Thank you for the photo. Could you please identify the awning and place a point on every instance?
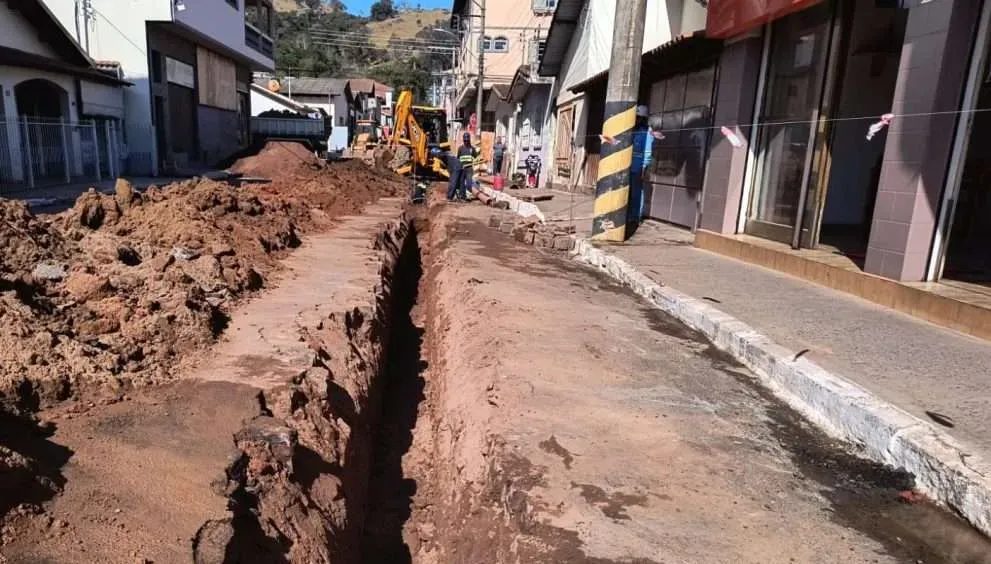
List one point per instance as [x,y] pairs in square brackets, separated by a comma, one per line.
[17,58]
[727,18]
[678,55]
[559,36]
[466,95]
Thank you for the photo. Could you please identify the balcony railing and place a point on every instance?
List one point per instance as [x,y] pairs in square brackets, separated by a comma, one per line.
[258,41]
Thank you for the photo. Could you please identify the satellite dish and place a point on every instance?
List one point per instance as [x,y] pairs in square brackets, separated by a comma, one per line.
[273,85]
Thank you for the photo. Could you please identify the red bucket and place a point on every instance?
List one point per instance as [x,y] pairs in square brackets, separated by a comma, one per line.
[497,182]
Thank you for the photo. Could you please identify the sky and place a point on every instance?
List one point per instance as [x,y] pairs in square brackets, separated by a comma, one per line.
[361,7]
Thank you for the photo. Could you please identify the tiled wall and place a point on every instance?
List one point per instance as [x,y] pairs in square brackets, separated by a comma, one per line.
[739,68]
[936,51]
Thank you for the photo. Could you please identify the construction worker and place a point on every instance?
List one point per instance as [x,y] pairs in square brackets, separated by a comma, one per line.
[458,188]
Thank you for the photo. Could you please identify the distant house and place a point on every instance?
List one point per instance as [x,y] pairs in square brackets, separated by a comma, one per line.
[328,95]
[59,113]
[371,100]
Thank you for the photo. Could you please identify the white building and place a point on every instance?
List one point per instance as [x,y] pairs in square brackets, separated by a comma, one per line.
[190,63]
[59,113]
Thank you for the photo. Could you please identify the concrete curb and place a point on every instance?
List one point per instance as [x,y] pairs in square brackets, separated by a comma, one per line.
[944,469]
[525,209]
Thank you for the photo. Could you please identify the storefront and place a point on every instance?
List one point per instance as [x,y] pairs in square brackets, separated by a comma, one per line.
[816,75]
[799,89]
[829,72]
[678,80]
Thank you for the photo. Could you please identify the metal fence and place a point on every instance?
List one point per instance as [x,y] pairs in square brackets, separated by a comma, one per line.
[36,152]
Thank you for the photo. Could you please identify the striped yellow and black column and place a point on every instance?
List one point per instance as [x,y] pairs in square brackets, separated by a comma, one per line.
[612,188]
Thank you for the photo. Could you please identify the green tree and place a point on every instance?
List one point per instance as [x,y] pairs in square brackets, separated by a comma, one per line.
[382,10]
[404,74]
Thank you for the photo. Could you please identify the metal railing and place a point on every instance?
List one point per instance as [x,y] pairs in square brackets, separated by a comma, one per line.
[38,152]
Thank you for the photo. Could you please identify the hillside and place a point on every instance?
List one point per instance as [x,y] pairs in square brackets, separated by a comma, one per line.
[318,38]
[303,5]
[406,25]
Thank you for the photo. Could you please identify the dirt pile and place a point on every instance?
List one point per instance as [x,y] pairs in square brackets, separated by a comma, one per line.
[115,291]
[299,175]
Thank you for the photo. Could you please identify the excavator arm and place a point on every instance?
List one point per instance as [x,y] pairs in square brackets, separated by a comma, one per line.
[410,133]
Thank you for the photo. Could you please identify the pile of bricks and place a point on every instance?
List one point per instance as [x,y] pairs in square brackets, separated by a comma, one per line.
[532,231]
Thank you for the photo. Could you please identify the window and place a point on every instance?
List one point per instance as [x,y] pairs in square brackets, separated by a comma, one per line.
[499,44]
[156,66]
[537,51]
[680,112]
[259,14]
[544,6]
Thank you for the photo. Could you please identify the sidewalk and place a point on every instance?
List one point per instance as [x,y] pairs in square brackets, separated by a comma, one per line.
[912,364]
[915,365]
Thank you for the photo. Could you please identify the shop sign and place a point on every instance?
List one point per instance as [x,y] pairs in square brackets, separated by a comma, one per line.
[727,18]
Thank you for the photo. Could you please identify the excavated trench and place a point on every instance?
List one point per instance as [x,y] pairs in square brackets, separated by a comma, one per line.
[319,474]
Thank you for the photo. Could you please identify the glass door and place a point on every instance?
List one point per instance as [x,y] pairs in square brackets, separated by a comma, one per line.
[788,121]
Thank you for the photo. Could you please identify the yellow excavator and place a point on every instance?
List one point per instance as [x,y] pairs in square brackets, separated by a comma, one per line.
[423,130]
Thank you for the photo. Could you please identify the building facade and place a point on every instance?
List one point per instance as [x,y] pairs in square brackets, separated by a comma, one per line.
[855,128]
[577,56]
[190,63]
[60,113]
[804,88]
[513,36]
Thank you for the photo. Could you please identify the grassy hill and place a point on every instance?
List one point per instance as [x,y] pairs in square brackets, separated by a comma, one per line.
[319,38]
[293,6]
[406,25]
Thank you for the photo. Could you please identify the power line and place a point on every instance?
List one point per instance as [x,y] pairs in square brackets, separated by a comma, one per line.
[396,48]
[375,46]
[360,35]
[370,46]
[383,46]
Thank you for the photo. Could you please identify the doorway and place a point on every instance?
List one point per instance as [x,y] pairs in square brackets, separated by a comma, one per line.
[968,252]
[832,71]
[161,131]
[851,165]
[796,72]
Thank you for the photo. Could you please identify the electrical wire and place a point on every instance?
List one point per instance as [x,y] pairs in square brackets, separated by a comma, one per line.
[398,49]
[359,35]
[420,48]
[871,119]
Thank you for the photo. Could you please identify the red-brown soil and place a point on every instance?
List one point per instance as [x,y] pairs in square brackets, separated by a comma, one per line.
[114,293]
[129,284]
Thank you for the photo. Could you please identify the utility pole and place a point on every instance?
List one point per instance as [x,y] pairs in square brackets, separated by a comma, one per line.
[612,188]
[481,68]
